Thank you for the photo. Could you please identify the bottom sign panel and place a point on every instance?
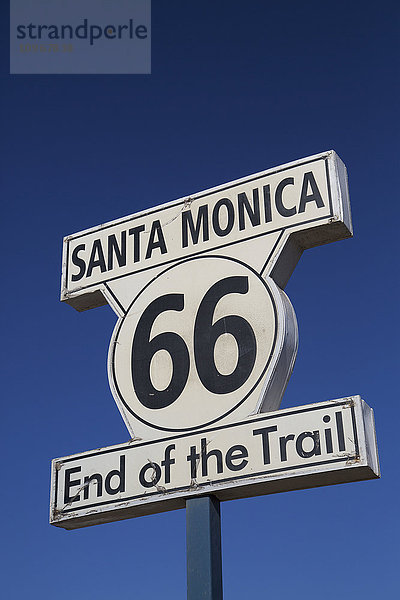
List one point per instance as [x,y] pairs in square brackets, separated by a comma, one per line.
[307,446]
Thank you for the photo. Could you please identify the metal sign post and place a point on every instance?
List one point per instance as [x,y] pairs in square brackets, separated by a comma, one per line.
[203,548]
[203,348]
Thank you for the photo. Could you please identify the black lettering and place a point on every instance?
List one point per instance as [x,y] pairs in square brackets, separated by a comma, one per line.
[109,32]
[98,479]
[53,32]
[67,28]
[315,195]
[120,473]
[136,231]
[31,29]
[156,239]
[96,258]
[141,32]
[264,432]
[167,462]
[282,444]
[79,262]
[120,30]
[40,27]
[206,455]
[69,483]
[193,458]
[328,435]
[143,351]
[155,477]
[21,32]
[267,203]
[216,214]
[237,452]
[118,250]
[201,222]
[207,331]
[340,431]
[252,212]
[328,440]
[282,210]
[315,450]
[81,31]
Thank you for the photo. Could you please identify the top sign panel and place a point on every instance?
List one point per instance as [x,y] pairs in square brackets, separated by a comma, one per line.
[305,201]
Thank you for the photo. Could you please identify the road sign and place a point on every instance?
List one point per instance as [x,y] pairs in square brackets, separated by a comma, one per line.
[296,448]
[187,355]
[201,354]
[205,334]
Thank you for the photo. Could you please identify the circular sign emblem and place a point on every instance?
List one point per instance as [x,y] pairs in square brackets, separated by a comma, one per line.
[194,343]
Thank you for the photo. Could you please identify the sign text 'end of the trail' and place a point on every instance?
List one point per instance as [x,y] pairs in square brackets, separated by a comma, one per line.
[302,447]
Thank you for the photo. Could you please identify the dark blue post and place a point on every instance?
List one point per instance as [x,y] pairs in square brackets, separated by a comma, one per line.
[203,549]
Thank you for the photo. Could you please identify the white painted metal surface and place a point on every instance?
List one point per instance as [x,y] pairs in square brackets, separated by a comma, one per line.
[282,211]
[205,341]
[296,448]
[190,353]
[205,334]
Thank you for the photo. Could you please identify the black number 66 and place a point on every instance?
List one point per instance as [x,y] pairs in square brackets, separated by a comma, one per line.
[206,335]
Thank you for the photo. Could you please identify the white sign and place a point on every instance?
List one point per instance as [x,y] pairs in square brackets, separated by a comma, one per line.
[205,333]
[296,448]
[187,354]
[308,196]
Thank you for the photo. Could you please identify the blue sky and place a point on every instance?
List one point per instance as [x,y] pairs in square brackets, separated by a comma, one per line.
[235,88]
